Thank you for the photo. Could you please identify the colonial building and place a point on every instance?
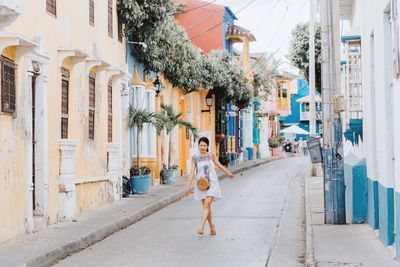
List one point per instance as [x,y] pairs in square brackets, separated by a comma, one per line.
[371,88]
[61,82]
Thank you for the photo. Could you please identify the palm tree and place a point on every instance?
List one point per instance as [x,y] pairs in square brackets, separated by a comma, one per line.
[167,120]
[137,118]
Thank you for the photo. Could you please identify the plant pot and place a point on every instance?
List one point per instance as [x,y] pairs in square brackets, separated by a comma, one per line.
[140,184]
[275,151]
[168,176]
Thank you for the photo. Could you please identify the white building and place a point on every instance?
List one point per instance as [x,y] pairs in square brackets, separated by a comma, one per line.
[376,24]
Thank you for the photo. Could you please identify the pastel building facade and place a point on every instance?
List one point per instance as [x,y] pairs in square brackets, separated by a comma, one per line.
[63,82]
[370,39]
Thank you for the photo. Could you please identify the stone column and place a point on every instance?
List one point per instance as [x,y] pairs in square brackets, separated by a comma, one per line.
[67,197]
[114,170]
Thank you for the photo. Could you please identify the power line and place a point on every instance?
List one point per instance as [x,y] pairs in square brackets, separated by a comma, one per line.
[195,8]
[215,26]
[273,38]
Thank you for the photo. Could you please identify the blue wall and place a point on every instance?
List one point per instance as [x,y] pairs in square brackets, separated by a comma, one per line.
[229,18]
[355,173]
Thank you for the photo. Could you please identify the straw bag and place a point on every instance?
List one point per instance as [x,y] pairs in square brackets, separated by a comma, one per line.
[203,183]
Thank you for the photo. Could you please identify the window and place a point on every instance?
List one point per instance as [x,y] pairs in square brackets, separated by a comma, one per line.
[51,7]
[120,35]
[284,93]
[110,112]
[110,18]
[8,85]
[92,103]
[91,12]
[64,102]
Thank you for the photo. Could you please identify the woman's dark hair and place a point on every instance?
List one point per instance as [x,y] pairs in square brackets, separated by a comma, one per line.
[205,140]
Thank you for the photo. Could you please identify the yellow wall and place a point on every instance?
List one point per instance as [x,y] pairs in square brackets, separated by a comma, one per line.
[92,195]
[70,29]
[283,103]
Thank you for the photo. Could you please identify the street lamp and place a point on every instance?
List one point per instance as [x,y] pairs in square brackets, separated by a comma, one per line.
[209,99]
[139,43]
[158,85]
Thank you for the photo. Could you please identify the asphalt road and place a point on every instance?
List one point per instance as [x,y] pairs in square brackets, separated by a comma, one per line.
[259,222]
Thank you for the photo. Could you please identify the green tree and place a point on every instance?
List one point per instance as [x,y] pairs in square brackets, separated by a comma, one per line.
[137,118]
[167,120]
[299,51]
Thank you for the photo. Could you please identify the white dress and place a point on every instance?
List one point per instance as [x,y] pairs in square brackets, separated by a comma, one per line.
[203,163]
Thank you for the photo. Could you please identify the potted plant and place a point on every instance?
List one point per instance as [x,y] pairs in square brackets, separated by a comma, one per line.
[167,120]
[274,143]
[140,176]
[140,180]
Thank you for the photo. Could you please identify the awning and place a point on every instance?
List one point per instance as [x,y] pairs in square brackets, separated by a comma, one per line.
[306,99]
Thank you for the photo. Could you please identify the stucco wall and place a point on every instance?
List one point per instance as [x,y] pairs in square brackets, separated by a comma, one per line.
[69,30]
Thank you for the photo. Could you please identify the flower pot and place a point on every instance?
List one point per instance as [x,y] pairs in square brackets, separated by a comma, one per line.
[140,184]
[275,151]
[168,176]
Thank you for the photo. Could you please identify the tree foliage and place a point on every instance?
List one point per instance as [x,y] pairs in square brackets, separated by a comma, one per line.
[170,51]
[299,51]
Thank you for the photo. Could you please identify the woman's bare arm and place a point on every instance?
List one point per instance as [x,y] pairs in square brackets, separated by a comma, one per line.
[222,168]
[191,175]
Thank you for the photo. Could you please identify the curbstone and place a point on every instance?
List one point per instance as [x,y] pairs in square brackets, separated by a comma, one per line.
[310,258]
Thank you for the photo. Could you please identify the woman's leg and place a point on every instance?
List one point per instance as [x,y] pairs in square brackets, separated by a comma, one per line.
[205,215]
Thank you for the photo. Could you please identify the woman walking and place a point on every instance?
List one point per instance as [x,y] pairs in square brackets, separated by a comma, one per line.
[203,165]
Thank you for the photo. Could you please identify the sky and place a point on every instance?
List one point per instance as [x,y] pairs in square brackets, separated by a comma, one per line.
[271,22]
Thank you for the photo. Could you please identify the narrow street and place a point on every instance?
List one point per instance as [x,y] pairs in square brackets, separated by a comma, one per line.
[259,222]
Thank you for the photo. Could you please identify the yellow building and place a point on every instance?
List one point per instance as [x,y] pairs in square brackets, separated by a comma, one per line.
[61,119]
[283,92]
[194,109]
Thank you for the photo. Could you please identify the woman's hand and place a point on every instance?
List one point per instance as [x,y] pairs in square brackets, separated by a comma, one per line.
[187,191]
[231,175]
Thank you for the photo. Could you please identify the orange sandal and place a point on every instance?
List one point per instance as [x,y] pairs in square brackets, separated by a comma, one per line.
[212,230]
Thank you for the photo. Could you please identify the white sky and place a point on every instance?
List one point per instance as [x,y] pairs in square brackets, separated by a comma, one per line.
[271,22]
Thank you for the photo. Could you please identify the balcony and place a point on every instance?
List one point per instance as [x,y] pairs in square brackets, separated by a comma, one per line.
[9,11]
[346,9]
[305,115]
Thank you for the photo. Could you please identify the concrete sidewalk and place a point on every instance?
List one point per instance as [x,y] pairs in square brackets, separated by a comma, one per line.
[339,245]
[62,239]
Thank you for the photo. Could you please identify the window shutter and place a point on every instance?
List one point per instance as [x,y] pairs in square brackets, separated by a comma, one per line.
[51,7]
[120,35]
[110,18]
[91,12]
[92,103]
[8,84]
[64,103]
[110,115]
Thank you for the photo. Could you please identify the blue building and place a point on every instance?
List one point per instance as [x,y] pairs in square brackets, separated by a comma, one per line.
[300,109]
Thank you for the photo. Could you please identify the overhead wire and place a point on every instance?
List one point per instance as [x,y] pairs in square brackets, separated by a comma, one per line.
[273,38]
[195,8]
[215,26]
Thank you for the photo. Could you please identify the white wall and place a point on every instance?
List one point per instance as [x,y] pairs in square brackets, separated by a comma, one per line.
[378,92]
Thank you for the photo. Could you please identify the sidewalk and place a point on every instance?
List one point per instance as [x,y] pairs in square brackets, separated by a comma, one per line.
[339,245]
[62,239]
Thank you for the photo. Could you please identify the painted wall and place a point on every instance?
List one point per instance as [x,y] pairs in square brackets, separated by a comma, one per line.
[69,30]
[295,109]
[198,23]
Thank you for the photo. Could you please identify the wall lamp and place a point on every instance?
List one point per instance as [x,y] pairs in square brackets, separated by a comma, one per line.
[209,99]
[139,43]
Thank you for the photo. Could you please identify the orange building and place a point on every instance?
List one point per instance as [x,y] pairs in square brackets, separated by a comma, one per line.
[203,23]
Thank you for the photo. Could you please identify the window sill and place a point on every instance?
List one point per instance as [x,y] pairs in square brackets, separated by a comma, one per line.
[91,180]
